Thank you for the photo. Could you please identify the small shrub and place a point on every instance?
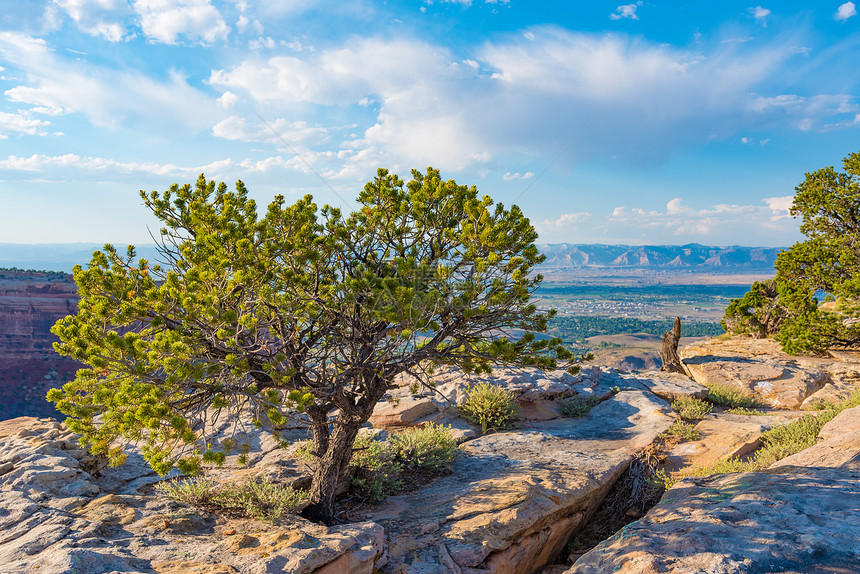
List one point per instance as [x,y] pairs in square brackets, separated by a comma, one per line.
[746,412]
[691,409]
[682,430]
[726,396]
[662,479]
[430,448]
[790,438]
[381,468]
[579,407]
[196,491]
[491,407]
[261,500]
[719,467]
[376,472]
[817,405]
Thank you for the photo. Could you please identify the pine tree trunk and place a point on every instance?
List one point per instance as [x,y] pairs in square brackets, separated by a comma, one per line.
[335,450]
[332,465]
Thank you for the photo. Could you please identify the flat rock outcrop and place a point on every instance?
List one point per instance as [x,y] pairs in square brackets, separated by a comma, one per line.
[516,497]
[789,519]
[56,519]
[799,515]
[759,368]
[510,505]
[671,386]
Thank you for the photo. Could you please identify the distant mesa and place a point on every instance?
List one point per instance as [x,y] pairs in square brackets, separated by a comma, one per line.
[691,257]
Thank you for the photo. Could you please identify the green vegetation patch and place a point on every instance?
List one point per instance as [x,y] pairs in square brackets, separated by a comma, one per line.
[778,443]
[577,328]
[491,407]
[691,409]
[261,500]
[382,468]
[730,397]
[578,407]
[813,303]
[682,430]
[744,411]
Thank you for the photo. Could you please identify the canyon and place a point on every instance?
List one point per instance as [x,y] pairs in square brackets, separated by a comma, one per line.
[30,303]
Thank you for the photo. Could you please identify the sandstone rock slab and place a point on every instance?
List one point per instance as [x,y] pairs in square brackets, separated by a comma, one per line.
[54,518]
[845,422]
[778,384]
[672,386]
[785,520]
[516,497]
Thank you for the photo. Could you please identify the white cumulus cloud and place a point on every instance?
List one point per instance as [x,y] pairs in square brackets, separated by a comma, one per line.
[780,206]
[845,11]
[508,176]
[20,124]
[626,11]
[567,219]
[102,18]
[167,21]
[760,14]
[717,220]
[54,86]
[531,97]
[237,128]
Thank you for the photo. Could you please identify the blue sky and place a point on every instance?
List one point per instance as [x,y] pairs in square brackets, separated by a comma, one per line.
[644,123]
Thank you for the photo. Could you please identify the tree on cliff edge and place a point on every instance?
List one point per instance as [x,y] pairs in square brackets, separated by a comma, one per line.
[299,310]
[827,263]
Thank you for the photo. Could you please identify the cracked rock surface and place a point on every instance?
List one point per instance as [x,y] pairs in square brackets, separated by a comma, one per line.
[56,519]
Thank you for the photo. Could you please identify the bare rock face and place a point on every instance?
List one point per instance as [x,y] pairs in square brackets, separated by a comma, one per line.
[30,303]
[515,498]
[797,516]
[412,403]
[777,379]
[672,386]
[790,519]
[55,518]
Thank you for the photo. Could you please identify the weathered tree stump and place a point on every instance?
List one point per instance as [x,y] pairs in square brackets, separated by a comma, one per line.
[669,350]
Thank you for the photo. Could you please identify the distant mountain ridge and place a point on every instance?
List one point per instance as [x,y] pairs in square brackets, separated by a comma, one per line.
[691,257]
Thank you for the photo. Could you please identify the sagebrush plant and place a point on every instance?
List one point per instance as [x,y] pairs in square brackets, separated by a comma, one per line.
[682,430]
[261,500]
[196,491]
[578,406]
[380,468]
[691,409]
[730,397]
[491,407]
[746,412]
